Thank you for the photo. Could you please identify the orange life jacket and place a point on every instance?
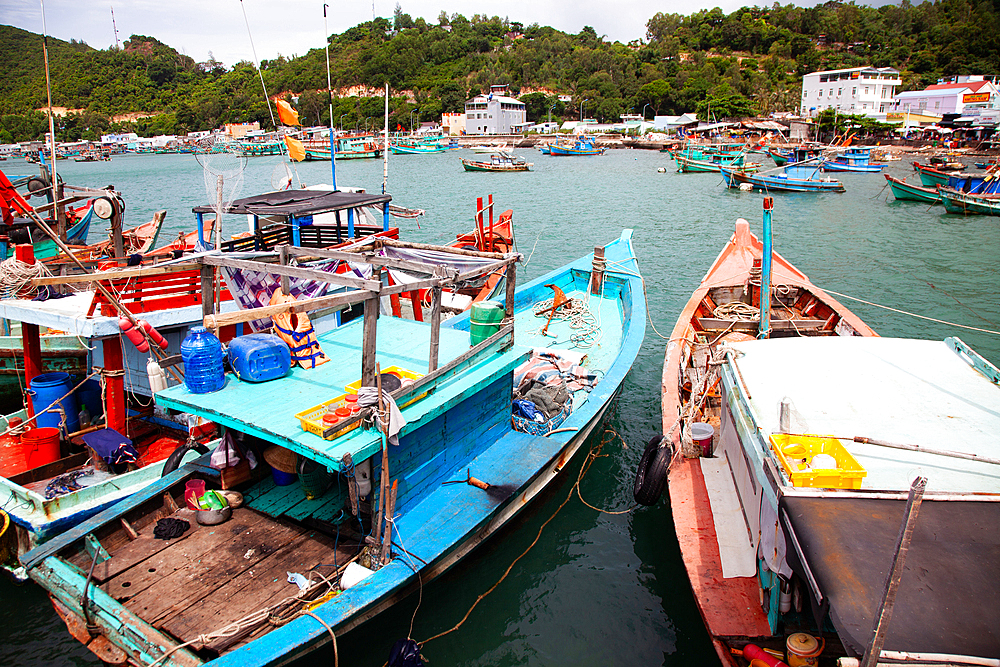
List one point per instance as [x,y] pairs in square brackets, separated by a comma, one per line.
[297,331]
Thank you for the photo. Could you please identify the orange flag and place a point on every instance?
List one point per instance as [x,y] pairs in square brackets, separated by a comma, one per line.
[296,150]
[287,114]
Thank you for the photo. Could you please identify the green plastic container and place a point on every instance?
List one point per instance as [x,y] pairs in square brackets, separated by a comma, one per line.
[486,318]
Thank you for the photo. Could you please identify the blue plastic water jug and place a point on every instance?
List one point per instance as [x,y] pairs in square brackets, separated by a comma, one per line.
[202,355]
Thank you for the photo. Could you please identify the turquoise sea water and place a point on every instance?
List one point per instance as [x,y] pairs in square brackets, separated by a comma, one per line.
[596,589]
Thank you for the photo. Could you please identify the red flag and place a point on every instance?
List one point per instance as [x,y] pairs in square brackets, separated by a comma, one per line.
[398,126]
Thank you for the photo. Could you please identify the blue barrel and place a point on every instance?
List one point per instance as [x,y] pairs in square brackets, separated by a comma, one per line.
[48,388]
[89,394]
[202,355]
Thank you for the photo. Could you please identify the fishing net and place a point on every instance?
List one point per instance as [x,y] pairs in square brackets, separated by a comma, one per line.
[222,166]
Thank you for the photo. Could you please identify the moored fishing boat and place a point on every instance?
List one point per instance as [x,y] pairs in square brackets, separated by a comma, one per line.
[852,159]
[581,146]
[500,161]
[796,177]
[775,541]
[697,162]
[966,203]
[909,192]
[217,607]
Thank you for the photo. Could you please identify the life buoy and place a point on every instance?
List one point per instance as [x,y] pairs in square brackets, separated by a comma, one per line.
[297,331]
[155,335]
[651,474]
[174,460]
[133,334]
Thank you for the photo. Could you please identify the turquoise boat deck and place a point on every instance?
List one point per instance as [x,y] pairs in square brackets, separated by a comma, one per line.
[267,410]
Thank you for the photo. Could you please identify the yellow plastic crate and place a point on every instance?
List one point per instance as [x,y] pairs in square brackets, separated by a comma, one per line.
[795,452]
[403,373]
[312,419]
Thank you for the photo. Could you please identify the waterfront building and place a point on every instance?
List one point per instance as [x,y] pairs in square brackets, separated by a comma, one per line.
[495,113]
[969,100]
[453,124]
[866,91]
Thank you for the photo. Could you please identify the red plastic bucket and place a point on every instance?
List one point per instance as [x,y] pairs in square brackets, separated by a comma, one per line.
[40,446]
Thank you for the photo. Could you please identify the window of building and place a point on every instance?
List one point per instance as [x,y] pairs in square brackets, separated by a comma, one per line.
[854,91]
[831,92]
[819,93]
[840,91]
[937,104]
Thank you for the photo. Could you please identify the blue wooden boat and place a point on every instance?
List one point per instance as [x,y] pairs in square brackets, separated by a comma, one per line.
[782,157]
[852,159]
[417,148]
[798,177]
[220,595]
[582,146]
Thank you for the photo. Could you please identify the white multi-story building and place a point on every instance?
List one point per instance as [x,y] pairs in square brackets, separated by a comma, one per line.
[495,113]
[867,91]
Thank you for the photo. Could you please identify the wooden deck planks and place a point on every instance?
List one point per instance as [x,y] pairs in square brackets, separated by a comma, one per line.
[261,586]
[247,534]
[175,554]
[142,548]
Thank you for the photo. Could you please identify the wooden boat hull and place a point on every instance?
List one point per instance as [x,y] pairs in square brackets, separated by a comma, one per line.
[471,165]
[438,528]
[729,607]
[416,150]
[969,204]
[836,165]
[563,150]
[904,191]
[766,182]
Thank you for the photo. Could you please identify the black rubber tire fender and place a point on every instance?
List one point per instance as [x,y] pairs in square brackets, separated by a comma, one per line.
[651,474]
[173,461]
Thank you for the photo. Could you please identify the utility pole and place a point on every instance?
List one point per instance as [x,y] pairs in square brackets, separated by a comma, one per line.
[113,25]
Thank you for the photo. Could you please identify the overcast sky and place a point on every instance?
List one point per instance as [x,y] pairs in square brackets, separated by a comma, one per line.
[292,27]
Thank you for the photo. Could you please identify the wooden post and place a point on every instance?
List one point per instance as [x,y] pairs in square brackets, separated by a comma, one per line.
[418,312]
[510,276]
[283,260]
[207,289]
[597,274]
[895,572]
[432,358]
[368,364]
[60,211]
[390,511]
[114,393]
[32,345]
[116,228]
[479,223]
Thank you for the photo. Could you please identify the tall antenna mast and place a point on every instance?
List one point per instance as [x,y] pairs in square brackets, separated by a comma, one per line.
[329,95]
[60,227]
[113,25]
[373,10]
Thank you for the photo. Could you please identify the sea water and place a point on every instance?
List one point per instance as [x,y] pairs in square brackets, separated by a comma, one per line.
[596,589]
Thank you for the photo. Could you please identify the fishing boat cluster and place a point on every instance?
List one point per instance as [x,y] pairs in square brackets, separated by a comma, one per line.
[360,412]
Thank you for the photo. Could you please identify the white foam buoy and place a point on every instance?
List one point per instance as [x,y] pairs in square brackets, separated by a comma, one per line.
[746,187]
[661,170]
[354,574]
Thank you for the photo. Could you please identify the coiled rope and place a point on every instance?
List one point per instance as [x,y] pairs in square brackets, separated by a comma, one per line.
[16,276]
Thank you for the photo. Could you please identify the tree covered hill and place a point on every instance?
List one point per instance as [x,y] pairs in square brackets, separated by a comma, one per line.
[745,63]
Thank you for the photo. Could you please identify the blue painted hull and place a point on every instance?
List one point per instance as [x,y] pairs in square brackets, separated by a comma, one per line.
[462,424]
[770,182]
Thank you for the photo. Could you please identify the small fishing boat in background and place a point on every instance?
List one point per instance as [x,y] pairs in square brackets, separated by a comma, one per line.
[581,146]
[852,159]
[350,147]
[795,177]
[783,156]
[211,596]
[485,148]
[966,203]
[909,192]
[500,161]
[777,541]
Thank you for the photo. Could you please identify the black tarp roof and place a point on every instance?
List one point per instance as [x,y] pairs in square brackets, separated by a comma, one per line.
[299,202]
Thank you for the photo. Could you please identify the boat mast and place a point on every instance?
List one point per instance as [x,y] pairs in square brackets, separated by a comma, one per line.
[765,273]
[329,93]
[54,178]
[115,27]
[385,151]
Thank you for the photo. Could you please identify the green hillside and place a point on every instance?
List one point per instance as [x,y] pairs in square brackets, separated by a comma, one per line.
[745,63]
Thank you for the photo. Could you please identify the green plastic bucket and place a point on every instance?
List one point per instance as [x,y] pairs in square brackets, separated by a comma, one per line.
[485,320]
